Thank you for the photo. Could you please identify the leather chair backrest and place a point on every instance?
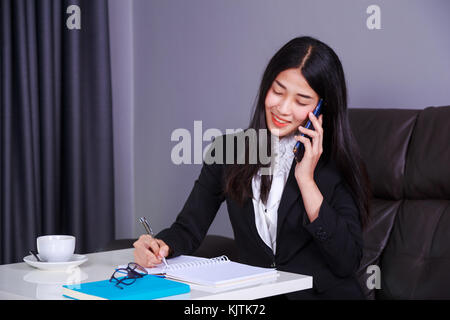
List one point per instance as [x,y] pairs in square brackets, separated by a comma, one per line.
[407,154]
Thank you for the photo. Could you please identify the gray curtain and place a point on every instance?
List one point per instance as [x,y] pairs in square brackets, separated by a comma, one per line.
[56,160]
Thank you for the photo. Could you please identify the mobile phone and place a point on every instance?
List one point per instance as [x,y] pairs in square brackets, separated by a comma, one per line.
[299,148]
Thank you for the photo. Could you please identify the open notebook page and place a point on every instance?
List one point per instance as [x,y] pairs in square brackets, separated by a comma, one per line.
[174,262]
[210,272]
[221,274]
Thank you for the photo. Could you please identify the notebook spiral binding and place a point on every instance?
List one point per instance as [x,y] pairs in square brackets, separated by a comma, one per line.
[207,262]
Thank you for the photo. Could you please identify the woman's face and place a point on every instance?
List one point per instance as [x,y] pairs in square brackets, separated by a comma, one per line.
[288,102]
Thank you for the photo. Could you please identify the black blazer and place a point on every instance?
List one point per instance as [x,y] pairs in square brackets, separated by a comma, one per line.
[329,248]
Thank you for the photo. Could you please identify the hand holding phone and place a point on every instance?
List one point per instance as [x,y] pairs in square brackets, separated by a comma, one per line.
[299,148]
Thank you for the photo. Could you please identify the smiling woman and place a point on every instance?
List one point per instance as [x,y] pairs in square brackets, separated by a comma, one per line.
[306,216]
[298,75]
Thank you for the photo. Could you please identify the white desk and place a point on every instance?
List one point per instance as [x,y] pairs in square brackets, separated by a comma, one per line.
[20,281]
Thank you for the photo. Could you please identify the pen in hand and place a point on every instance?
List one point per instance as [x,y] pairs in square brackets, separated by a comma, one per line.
[149,231]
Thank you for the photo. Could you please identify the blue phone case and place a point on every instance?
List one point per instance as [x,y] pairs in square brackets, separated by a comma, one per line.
[299,147]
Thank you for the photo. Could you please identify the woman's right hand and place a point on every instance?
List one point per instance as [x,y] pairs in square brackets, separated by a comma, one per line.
[149,251]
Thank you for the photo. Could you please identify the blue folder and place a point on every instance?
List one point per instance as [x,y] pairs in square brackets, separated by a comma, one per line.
[146,288]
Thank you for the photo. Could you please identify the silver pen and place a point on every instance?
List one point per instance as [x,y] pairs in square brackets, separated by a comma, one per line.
[149,230]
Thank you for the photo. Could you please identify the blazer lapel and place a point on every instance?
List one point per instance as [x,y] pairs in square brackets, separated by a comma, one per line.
[249,210]
[291,194]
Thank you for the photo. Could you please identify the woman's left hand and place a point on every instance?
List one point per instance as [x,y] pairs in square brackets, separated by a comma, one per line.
[304,170]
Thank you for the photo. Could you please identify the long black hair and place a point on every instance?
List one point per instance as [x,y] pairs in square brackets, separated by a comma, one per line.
[323,71]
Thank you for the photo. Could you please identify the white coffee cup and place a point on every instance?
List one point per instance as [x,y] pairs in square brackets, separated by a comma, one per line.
[56,248]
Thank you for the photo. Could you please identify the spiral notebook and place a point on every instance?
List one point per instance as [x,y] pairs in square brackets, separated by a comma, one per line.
[215,272]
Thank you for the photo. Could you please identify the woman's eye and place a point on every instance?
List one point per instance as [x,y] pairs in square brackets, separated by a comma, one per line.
[276,92]
[301,104]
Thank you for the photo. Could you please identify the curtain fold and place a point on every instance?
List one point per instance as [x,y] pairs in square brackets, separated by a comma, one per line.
[56,161]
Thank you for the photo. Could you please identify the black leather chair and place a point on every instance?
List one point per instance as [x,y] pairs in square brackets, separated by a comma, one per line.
[407,153]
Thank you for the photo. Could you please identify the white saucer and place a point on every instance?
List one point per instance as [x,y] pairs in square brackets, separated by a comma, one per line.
[75,261]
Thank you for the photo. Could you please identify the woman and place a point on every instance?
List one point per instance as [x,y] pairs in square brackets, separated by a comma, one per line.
[305,217]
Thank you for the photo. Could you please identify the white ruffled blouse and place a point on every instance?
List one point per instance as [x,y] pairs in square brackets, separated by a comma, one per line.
[266,215]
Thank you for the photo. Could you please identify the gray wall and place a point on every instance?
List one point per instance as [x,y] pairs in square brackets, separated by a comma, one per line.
[203,60]
[122,74]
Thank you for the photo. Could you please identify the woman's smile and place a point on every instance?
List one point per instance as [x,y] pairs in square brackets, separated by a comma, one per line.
[279,122]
